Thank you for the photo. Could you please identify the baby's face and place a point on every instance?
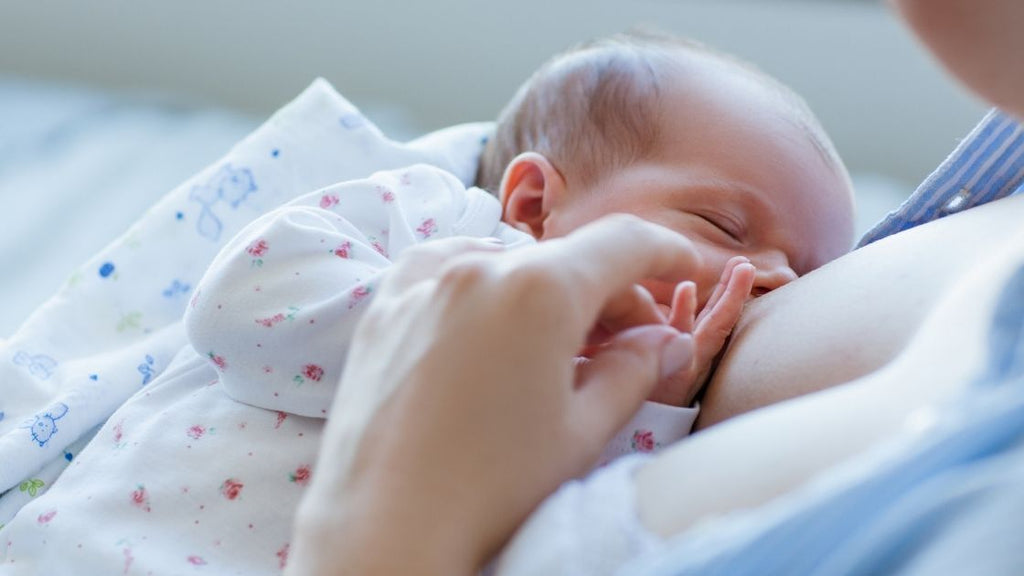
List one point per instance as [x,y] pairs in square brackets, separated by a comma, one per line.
[737,174]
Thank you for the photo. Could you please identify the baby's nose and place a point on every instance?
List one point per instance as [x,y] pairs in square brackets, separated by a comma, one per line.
[770,277]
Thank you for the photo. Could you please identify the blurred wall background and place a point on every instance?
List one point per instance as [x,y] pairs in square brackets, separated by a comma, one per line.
[423,65]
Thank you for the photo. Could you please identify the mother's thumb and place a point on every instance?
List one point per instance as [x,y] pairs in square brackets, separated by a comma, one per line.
[618,379]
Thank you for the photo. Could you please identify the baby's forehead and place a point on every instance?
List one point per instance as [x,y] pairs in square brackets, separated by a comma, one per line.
[814,185]
[782,101]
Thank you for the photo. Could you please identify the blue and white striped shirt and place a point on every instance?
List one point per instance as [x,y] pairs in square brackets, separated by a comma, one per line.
[987,165]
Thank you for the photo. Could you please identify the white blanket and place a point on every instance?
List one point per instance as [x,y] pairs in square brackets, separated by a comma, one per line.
[116,324]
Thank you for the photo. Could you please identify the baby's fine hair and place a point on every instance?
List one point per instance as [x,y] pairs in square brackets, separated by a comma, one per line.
[595,108]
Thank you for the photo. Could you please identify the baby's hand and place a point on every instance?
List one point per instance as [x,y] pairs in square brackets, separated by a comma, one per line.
[710,328]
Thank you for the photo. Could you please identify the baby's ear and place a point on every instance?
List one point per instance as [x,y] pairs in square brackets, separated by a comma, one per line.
[530,187]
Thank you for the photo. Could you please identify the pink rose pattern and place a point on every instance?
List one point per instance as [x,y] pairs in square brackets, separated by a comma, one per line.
[140,498]
[328,201]
[231,488]
[230,491]
[218,361]
[270,321]
[129,559]
[358,294]
[312,372]
[386,195]
[301,475]
[343,250]
[427,228]
[643,441]
[257,249]
[282,556]
[267,245]
[119,433]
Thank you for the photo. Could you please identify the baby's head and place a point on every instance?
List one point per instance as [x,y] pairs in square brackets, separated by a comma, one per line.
[680,135]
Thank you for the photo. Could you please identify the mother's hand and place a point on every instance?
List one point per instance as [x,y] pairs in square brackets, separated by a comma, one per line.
[461,408]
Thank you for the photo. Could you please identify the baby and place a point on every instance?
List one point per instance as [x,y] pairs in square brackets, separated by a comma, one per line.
[669,131]
[686,137]
[205,466]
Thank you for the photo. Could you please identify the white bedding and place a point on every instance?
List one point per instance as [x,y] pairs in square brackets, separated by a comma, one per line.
[116,324]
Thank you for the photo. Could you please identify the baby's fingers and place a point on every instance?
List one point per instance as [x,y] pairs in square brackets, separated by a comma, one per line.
[716,321]
[723,285]
[684,307]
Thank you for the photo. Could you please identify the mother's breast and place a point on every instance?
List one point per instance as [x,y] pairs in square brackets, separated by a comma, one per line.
[851,316]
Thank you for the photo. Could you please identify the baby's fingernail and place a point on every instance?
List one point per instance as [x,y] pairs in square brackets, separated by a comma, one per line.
[676,354]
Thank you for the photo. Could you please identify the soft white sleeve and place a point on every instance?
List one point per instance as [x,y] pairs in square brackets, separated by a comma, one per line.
[652,428]
[588,527]
[277,307]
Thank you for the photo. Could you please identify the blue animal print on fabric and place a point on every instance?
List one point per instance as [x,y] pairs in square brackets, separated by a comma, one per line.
[353,120]
[146,369]
[39,365]
[44,426]
[228,185]
[176,287]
